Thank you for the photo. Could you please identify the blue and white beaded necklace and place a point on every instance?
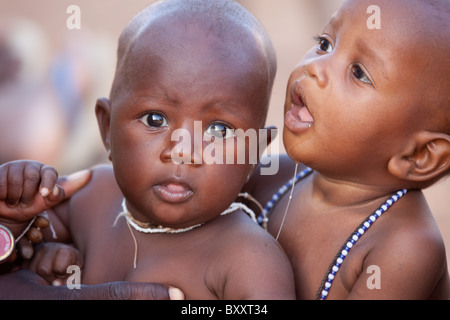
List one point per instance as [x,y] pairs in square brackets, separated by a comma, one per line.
[334,267]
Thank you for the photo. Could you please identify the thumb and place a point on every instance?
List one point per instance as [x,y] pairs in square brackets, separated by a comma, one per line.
[74,182]
[123,290]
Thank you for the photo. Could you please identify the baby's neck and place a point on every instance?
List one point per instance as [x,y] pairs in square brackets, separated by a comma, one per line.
[341,193]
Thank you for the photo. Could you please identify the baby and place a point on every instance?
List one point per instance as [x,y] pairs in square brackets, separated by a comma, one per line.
[181,64]
[368,111]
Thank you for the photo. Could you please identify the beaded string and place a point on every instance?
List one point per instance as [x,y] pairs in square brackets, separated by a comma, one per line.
[152,228]
[263,218]
[288,204]
[327,281]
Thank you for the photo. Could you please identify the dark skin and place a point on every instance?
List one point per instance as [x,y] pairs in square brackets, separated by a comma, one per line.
[29,187]
[152,192]
[358,121]
[217,260]
[327,208]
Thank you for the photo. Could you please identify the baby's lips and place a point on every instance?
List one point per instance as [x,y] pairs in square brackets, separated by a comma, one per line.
[174,192]
[298,119]
[176,188]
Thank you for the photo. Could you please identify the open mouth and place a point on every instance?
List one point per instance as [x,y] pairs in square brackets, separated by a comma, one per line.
[298,118]
[173,192]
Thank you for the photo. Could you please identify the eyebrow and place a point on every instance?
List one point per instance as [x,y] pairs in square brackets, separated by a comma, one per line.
[363,48]
[334,22]
[366,50]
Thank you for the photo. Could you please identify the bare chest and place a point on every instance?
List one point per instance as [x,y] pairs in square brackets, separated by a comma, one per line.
[312,240]
[169,259]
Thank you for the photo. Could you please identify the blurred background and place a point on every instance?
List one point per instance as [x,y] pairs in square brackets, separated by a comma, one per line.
[50,76]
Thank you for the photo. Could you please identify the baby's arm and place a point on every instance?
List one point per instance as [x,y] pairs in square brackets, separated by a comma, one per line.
[406,266]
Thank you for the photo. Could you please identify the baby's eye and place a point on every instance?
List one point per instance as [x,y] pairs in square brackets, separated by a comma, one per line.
[220,131]
[154,120]
[359,74]
[324,45]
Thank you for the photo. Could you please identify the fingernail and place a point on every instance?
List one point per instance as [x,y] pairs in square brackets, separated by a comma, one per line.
[55,190]
[78,175]
[57,283]
[44,192]
[176,294]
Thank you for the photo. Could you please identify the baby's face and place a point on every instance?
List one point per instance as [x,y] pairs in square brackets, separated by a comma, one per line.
[182,105]
[359,94]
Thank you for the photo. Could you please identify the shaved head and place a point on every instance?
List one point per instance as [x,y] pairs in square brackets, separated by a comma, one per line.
[241,37]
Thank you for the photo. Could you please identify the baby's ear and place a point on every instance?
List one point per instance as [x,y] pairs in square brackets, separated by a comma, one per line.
[426,158]
[103,113]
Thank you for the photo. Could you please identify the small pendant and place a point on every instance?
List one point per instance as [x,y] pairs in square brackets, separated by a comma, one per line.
[6,243]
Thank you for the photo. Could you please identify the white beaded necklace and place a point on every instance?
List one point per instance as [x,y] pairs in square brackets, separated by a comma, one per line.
[151,228]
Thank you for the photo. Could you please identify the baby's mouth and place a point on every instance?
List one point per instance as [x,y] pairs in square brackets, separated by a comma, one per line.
[304,115]
[173,192]
[298,118]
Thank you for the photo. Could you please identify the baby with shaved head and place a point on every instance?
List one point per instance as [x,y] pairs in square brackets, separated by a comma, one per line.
[367,111]
[148,218]
[235,37]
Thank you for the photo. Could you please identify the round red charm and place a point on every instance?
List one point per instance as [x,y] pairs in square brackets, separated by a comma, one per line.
[6,243]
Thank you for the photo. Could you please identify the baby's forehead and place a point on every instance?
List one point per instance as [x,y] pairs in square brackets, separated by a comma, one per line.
[397,28]
[224,19]
[192,49]
[427,15]
[412,42]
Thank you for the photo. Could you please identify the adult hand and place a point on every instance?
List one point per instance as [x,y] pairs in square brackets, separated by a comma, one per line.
[26,285]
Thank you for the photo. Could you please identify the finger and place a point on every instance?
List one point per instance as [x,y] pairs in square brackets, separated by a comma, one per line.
[3,182]
[49,176]
[137,291]
[120,290]
[14,183]
[65,256]
[176,294]
[74,182]
[44,274]
[43,261]
[66,187]
[43,265]
[58,282]
[24,284]
[32,179]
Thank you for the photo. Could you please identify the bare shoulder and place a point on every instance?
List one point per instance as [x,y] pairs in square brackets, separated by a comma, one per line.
[412,228]
[254,264]
[102,181]
[102,174]
[97,195]
[101,184]
[409,253]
